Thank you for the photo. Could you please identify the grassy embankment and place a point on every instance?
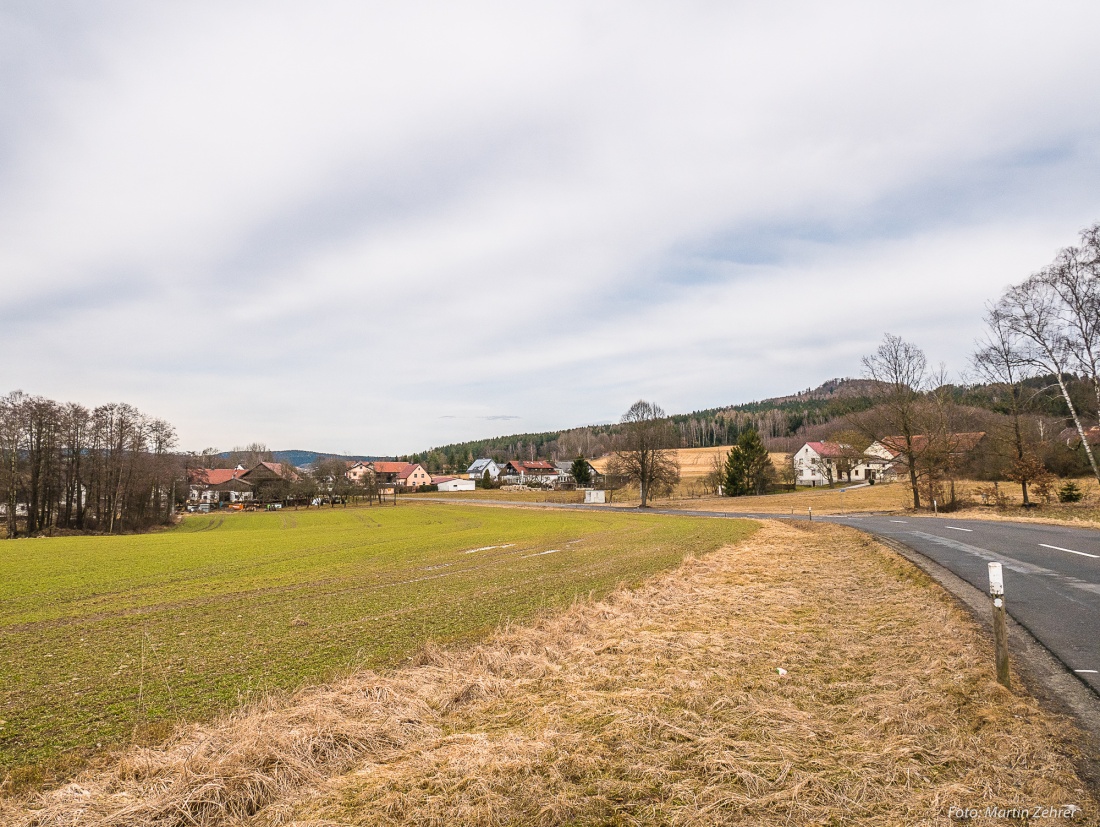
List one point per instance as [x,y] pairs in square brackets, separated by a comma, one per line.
[805,676]
[106,639]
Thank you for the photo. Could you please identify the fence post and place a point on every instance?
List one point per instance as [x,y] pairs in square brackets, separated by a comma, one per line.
[1000,627]
[810,509]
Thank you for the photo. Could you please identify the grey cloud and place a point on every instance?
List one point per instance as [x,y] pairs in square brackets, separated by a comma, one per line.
[378,209]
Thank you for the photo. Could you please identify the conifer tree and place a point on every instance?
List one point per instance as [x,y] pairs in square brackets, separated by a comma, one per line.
[748,468]
[581,471]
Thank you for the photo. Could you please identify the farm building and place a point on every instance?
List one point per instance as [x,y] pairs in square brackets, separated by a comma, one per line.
[454,484]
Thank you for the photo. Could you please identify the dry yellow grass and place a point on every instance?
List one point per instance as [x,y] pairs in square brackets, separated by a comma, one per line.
[881,497]
[662,705]
[694,462]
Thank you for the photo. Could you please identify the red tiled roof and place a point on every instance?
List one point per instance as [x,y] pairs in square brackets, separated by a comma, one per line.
[386,467]
[444,478]
[407,471]
[212,476]
[832,450]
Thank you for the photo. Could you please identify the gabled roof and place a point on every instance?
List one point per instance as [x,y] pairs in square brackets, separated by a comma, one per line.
[479,465]
[954,443]
[387,467]
[831,450]
[279,469]
[532,465]
[212,476]
[1073,439]
[407,471]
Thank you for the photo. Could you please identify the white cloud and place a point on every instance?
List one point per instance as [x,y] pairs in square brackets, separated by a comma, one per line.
[337,228]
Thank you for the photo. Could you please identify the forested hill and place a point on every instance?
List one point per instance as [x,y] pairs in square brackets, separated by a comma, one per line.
[776,420]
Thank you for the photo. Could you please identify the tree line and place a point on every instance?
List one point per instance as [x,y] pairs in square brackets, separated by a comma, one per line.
[65,466]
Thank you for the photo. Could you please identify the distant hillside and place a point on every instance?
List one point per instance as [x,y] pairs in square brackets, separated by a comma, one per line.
[785,422]
[775,419]
[302,459]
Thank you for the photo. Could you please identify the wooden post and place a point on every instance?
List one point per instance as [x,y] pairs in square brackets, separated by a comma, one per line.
[1000,627]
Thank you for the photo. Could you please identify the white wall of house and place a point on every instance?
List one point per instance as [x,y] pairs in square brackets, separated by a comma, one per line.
[476,471]
[807,464]
[457,485]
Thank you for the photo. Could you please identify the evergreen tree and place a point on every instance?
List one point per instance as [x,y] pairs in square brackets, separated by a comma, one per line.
[748,468]
[581,471]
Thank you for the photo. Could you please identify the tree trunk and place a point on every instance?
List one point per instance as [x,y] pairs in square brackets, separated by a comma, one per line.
[1077,422]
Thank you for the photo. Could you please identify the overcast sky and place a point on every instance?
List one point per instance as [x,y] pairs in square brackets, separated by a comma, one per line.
[374,228]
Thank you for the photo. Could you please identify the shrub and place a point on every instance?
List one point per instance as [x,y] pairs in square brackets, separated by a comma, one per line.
[1070,493]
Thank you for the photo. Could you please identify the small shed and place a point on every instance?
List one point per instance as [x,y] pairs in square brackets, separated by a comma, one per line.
[592,495]
[456,484]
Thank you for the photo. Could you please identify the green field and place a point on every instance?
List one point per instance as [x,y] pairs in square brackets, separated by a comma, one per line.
[108,639]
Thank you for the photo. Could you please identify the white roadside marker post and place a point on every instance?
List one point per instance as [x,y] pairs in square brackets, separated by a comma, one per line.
[811,510]
[1000,628]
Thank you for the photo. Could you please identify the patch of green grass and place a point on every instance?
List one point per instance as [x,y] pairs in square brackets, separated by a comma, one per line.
[108,639]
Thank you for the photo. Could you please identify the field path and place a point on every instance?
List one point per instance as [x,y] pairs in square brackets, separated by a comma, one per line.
[801,674]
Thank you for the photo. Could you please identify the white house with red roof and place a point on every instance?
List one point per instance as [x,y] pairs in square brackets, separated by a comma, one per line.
[211,485]
[818,463]
[824,463]
[531,471]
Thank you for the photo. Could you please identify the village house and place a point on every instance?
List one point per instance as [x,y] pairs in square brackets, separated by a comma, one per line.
[401,474]
[413,475]
[477,469]
[265,482]
[822,463]
[217,485]
[956,447]
[359,472]
[525,472]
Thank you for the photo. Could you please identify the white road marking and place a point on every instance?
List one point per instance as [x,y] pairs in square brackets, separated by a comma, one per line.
[899,521]
[1086,671]
[1071,551]
[956,528]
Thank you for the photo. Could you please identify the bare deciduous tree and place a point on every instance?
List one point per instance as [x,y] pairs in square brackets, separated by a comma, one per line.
[645,454]
[1000,361]
[1033,311]
[63,466]
[900,373]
